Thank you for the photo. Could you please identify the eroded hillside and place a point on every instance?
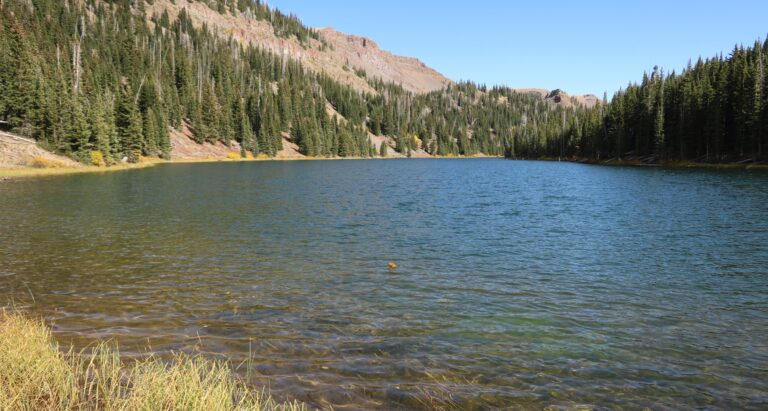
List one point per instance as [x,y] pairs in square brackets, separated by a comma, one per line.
[343,57]
[348,59]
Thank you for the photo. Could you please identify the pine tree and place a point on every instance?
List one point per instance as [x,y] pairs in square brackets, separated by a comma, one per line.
[199,126]
[163,136]
[19,66]
[756,120]
[210,113]
[244,130]
[100,127]
[150,141]
[79,131]
[130,127]
[110,119]
[659,118]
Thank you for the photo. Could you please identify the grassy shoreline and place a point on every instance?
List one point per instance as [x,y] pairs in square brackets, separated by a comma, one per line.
[663,164]
[38,374]
[24,172]
[29,171]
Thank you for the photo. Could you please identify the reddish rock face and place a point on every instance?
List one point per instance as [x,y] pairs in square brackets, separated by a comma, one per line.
[363,53]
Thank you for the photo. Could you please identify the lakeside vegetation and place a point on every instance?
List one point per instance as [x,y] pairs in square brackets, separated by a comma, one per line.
[53,170]
[38,374]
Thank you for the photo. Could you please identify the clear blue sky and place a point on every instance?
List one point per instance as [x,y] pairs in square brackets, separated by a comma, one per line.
[579,46]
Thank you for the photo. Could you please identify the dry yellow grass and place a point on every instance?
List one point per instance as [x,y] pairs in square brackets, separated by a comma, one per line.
[39,172]
[37,375]
[42,162]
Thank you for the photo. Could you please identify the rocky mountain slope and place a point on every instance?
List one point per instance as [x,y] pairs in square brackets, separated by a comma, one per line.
[342,56]
[560,97]
[349,59]
[363,53]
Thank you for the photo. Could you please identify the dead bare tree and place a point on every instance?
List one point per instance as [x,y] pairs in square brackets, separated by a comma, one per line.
[76,55]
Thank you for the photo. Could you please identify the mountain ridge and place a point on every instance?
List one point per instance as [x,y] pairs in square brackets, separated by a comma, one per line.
[351,59]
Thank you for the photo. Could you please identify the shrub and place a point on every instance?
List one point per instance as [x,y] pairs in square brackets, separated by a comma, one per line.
[234,156]
[42,162]
[97,159]
[417,141]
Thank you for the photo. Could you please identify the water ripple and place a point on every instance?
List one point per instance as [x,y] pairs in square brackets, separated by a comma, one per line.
[521,284]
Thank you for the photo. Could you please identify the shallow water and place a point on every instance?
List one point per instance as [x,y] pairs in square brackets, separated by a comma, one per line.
[520,284]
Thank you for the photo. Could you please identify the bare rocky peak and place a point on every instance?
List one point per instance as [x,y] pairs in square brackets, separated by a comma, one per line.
[560,97]
[363,53]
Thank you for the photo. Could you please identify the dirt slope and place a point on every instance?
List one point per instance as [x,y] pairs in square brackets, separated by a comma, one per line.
[339,60]
[344,55]
[184,147]
[19,152]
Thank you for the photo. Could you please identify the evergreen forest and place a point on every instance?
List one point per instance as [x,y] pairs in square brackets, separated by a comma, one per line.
[104,76]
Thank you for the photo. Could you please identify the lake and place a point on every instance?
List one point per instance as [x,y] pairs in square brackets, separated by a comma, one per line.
[520,284]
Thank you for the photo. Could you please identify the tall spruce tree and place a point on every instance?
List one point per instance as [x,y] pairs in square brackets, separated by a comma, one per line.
[130,127]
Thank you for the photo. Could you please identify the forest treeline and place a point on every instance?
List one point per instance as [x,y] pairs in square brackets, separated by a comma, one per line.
[715,110]
[103,76]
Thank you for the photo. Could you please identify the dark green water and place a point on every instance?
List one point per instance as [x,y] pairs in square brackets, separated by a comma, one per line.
[521,284]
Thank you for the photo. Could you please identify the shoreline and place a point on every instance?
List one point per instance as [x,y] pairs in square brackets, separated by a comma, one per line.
[663,164]
[29,171]
[23,172]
